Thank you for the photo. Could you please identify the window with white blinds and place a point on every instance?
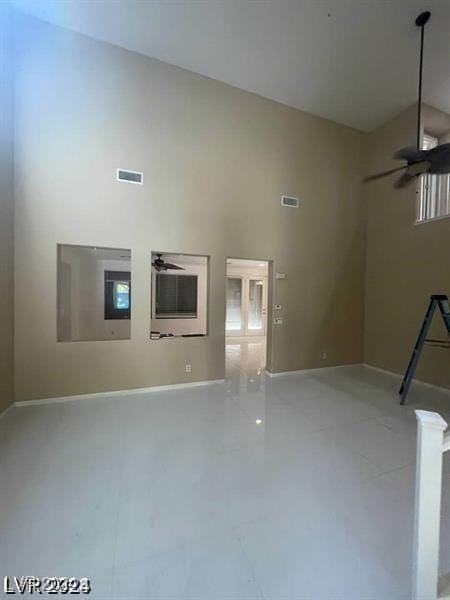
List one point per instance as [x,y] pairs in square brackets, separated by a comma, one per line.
[434,190]
[176,296]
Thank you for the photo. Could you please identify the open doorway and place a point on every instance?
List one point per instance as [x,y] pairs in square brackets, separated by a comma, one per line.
[246,316]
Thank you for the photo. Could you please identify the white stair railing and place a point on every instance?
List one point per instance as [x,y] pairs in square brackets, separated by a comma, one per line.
[431,444]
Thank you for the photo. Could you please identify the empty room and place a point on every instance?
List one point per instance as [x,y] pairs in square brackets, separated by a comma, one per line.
[224,307]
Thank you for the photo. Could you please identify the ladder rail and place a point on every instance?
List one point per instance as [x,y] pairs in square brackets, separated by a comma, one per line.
[410,370]
[444,307]
[436,301]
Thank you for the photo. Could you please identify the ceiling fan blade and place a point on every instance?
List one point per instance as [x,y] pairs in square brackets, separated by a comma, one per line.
[439,159]
[383,174]
[410,154]
[419,168]
[175,267]
[404,180]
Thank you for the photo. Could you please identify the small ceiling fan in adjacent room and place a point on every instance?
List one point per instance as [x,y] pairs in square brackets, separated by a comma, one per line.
[160,265]
[435,161]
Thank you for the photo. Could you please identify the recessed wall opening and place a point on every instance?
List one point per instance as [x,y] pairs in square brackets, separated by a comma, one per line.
[246,316]
[434,190]
[94,293]
[179,299]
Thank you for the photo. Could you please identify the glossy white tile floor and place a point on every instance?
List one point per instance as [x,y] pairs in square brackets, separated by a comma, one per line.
[182,495]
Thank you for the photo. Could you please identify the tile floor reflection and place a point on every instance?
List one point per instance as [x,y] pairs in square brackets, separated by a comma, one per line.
[245,355]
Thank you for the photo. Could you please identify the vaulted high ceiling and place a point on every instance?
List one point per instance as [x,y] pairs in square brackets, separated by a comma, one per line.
[352,61]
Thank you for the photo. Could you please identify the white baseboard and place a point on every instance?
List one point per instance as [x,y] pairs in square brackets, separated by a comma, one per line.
[313,370]
[6,410]
[193,384]
[386,372]
[113,394]
[399,376]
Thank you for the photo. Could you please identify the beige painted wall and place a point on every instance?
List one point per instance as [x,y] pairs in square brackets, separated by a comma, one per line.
[216,161]
[406,263]
[6,210]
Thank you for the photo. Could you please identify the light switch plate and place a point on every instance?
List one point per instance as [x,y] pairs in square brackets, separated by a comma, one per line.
[280,275]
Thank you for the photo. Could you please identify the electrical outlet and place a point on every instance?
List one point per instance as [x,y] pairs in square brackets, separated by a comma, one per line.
[188,368]
[324,356]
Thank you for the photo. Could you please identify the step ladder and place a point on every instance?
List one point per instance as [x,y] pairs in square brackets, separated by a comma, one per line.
[436,301]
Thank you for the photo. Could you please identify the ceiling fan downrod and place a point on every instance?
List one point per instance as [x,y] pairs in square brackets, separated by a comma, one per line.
[421,21]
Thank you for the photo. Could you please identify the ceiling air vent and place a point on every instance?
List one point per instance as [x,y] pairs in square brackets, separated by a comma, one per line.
[289,201]
[130,176]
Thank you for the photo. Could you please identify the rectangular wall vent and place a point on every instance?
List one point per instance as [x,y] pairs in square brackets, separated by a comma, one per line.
[130,176]
[289,201]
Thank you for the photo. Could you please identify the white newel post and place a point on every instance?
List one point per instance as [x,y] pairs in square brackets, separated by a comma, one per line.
[430,437]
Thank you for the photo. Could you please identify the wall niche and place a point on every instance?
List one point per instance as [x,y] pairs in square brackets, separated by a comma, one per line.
[94,293]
